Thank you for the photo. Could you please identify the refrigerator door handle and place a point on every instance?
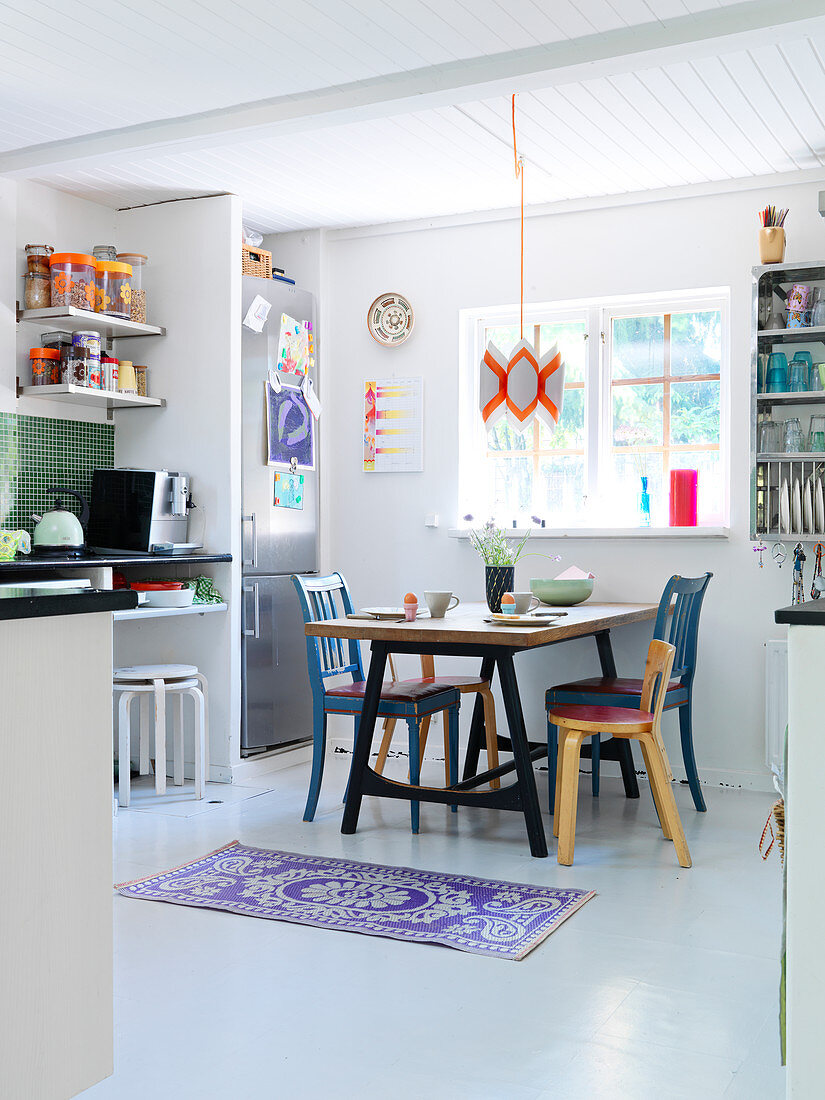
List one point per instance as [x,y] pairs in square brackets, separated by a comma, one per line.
[253,561]
[255,632]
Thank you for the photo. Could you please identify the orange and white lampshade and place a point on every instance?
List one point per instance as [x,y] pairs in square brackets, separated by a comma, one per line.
[522,386]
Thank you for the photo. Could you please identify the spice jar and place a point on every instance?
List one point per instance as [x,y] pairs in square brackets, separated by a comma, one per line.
[126,382]
[137,261]
[37,258]
[114,289]
[59,340]
[73,279]
[75,367]
[140,380]
[38,290]
[45,363]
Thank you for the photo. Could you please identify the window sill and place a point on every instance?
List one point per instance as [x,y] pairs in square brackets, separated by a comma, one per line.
[607,533]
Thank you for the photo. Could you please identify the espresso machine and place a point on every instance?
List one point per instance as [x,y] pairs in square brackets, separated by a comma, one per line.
[140,512]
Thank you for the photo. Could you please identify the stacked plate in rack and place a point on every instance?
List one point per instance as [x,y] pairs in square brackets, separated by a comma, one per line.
[802,506]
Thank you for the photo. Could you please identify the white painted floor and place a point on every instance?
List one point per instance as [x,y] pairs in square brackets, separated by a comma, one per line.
[663,986]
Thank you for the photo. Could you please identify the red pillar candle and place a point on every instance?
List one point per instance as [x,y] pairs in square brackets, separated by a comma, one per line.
[683,485]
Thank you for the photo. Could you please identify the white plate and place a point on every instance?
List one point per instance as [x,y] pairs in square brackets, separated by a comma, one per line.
[524,620]
[808,508]
[820,506]
[385,612]
[784,508]
[796,505]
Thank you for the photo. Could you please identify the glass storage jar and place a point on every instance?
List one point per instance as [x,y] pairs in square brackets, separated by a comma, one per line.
[45,363]
[37,258]
[38,290]
[104,252]
[137,261]
[114,286]
[74,368]
[73,279]
[140,380]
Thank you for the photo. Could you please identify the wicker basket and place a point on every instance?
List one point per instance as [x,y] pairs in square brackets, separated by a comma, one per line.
[256,261]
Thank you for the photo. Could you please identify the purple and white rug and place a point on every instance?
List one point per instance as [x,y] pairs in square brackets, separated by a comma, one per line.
[484,916]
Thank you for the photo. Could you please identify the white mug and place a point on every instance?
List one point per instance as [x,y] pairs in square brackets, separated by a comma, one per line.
[440,603]
[524,602]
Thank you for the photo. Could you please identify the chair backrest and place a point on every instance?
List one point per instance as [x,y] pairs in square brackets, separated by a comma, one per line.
[328,598]
[683,629]
[658,667]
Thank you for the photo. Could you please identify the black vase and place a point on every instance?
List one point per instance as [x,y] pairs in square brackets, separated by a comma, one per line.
[498,580]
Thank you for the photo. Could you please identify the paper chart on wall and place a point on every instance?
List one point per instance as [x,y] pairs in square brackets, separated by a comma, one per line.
[393,425]
[294,348]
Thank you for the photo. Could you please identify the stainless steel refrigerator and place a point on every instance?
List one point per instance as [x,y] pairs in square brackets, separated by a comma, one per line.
[277,542]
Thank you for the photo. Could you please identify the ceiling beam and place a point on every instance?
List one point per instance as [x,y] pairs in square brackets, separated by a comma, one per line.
[712,32]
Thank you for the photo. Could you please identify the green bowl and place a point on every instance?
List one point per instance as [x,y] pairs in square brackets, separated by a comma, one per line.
[561,593]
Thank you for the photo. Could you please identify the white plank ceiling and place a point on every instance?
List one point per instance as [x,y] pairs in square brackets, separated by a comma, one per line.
[73,69]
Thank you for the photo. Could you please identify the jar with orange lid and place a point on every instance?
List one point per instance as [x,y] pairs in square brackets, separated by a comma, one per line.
[72,279]
[45,363]
[114,289]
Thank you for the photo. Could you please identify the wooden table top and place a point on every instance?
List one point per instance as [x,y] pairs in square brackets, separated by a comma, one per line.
[465,624]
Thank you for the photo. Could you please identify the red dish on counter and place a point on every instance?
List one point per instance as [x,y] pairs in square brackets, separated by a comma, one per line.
[156,586]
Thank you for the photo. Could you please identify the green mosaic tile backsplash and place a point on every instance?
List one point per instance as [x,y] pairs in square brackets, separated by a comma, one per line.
[37,452]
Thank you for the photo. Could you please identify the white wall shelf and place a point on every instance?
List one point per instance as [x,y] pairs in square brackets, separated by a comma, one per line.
[813,334]
[166,612]
[100,399]
[73,320]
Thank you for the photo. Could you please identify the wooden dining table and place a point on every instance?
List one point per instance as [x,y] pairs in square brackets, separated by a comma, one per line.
[467,632]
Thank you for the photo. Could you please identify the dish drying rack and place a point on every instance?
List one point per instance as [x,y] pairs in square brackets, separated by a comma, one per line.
[790,497]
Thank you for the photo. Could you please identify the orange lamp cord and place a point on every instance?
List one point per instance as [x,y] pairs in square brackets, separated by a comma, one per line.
[519,164]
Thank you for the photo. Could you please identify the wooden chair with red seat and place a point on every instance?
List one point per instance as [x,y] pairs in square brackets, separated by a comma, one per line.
[575,723]
[330,658]
[464,685]
[682,632]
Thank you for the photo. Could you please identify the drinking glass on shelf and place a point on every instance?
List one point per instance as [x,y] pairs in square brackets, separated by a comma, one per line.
[777,377]
[770,437]
[815,384]
[794,441]
[816,434]
[798,381]
[818,315]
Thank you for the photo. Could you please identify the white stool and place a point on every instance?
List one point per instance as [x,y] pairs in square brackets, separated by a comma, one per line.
[144,681]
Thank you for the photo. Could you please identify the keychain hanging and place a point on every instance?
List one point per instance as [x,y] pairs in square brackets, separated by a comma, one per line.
[816,590]
[760,549]
[799,560]
[779,553]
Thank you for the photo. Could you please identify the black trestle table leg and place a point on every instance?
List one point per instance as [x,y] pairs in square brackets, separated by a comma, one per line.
[521,755]
[363,740]
[476,738]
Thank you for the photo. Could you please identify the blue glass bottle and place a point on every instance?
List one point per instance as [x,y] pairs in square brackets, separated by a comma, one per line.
[644,504]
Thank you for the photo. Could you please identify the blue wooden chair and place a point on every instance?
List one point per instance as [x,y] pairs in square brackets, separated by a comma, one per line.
[330,658]
[623,692]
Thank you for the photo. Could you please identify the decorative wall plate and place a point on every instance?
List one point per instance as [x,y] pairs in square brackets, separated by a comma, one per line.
[390,319]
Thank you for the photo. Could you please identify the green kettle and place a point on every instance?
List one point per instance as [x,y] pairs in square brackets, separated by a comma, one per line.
[59,533]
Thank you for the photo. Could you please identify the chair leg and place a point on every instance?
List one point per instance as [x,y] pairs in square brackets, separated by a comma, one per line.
[655,786]
[669,812]
[124,763]
[415,770]
[389,730]
[160,736]
[177,740]
[204,686]
[423,734]
[552,764]
[561,734]
[445,724]
[569,796]
[200,739]
[452,738]
[319,744]
[145,710]
[491,732]
[686,731]
[595,760]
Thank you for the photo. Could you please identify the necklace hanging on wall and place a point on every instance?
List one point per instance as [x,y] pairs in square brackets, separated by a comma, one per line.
[779,553]
[817,584]
[760,549]
[799,560]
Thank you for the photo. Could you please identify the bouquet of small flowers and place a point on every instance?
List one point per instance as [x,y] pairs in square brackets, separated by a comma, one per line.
[490,543]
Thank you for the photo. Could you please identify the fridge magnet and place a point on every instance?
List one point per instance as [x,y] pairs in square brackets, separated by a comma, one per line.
[293,346]
[390,320]
[289,490]
[394,425]
[257,313]
[310,396]
[289,429]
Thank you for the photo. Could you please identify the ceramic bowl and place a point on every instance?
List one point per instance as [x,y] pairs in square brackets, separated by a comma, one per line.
[181,597]
[561,593]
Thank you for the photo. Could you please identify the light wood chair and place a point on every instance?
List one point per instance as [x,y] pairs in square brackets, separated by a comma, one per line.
[575,723]
[464,685]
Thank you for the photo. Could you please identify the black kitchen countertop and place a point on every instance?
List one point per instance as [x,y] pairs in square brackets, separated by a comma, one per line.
[31,603]
[33,563]
[811,613]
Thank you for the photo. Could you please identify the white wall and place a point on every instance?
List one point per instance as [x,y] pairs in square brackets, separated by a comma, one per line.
[376,521]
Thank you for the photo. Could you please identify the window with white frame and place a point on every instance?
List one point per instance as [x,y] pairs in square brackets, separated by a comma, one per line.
[644,394]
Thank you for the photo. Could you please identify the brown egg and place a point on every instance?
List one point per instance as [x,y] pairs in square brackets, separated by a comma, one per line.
[411,598]
[508,598]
